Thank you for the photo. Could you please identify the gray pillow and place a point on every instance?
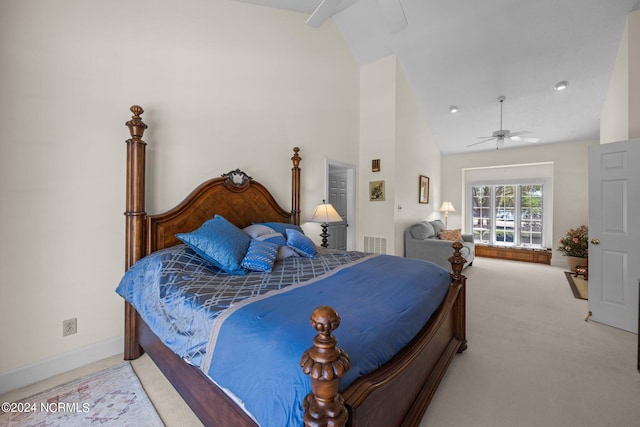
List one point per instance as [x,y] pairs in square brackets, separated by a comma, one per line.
[422,230]
[438,226]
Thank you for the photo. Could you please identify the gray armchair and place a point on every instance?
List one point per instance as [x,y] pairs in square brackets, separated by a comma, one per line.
[421,242]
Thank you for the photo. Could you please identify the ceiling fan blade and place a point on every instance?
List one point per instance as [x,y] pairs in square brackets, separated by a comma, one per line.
[393,14]
[480,142]
[522,132]
[322,13]
[523,138]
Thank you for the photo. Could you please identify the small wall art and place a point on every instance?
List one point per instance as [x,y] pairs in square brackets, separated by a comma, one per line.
[423,189]
[376,191]
[375,165]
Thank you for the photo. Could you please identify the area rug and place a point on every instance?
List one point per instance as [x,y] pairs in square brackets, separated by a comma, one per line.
[579,286]
[113,397]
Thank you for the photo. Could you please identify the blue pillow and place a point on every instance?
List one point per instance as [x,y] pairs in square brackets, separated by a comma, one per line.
[261,256]
[219,242]
[300,243]
[282,227]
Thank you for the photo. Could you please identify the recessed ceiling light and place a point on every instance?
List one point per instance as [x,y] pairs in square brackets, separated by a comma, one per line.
[561,85]
[454,109]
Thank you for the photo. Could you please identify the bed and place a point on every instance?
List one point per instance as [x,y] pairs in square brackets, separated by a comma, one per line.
[395,393]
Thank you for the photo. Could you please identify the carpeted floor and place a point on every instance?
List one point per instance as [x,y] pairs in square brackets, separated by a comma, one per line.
[532,359]
[578,285]
[110,397]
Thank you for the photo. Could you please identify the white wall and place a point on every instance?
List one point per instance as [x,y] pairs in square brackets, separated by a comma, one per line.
[570,181]
[620,118]
[393,130]
[377,141]
[633,28]
[416,154]
[224,85]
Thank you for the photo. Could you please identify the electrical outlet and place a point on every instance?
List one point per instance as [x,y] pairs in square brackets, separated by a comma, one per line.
[69,327]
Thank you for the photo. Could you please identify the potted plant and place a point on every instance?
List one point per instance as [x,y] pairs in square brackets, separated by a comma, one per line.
[575,245]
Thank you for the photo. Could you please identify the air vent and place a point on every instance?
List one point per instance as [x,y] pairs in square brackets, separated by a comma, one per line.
[376,245]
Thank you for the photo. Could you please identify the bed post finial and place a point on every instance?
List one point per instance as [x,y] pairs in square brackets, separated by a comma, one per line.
[296,157]
[457,261]
[295,186]
[325,363]
[136,125]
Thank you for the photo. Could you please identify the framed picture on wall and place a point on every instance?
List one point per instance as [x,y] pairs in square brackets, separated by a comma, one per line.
[423,189]
[376,191]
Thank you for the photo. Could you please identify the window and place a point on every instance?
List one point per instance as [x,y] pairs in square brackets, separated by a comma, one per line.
[510,215]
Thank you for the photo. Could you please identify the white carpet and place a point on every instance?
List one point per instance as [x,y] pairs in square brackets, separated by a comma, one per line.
[533,360]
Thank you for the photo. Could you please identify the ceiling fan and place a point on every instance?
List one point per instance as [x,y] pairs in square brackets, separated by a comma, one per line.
[502,134]
[391,9]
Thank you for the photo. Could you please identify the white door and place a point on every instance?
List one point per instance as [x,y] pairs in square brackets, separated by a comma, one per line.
[341,194]
[338,198]
[614,233]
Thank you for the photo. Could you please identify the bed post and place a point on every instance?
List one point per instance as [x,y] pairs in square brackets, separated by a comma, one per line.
[325,363]
[135,218]
[457,279]
[295,186]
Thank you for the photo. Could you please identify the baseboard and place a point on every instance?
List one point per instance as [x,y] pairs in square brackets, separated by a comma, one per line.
[22,376]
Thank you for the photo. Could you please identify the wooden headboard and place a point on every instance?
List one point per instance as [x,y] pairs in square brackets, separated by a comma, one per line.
[234,195]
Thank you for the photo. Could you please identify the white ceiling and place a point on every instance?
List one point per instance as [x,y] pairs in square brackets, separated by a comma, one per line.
[469,52]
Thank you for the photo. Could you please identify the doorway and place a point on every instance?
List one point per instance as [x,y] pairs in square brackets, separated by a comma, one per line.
[341,194]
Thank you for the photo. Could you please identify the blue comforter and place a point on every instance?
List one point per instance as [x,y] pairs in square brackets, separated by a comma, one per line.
[383,301]
[253,345]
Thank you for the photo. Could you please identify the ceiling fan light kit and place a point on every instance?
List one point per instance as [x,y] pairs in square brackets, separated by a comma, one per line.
[561,85]
[502,134]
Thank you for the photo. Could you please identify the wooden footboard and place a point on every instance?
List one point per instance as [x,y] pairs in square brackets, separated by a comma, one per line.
[399,392]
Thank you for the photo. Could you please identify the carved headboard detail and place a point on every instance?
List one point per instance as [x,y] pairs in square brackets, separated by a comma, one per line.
[241,204]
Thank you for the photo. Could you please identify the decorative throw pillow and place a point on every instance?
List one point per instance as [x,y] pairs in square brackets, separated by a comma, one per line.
[257,230]
[300,243]
[266,234]
[437,225]
[285,252]
[219,242]
[422,230]
[453,235]
[260,256]
[282,227]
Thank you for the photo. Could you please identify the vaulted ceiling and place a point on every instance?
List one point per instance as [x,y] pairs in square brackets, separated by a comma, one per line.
[467,53]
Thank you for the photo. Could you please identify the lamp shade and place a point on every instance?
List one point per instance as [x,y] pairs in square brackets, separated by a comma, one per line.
[447,207]
[325,213]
